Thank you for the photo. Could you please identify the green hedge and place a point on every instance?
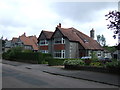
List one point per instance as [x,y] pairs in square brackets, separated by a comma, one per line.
[55,61]
[28,57]
[74,62]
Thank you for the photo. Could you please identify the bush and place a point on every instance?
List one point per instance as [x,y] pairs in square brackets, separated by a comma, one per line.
[19,54]
[55,61]
[96,64]
[113,64]
[74,62]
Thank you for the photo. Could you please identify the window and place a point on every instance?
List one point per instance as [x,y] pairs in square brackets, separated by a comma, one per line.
[99,53]
[43,42]
[44,51]
[85,41]
[59,41]
[59,54]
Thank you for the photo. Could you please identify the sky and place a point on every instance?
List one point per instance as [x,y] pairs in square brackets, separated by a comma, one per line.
[33,16]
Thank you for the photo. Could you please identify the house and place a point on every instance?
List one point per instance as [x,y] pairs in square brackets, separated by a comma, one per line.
[71,43]
[14,41]
[44,41]
[29,42]
[8,45]
[116,54]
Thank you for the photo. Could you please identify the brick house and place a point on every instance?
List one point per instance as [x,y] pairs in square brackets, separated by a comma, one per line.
[29,42]
[44,41]
[71,43]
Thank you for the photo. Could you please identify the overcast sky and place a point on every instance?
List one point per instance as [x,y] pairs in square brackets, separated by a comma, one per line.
[32,16]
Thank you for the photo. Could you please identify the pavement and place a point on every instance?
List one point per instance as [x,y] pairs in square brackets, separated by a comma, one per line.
[105,78]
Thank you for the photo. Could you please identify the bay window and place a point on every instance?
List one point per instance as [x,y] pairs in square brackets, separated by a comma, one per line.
[59,54]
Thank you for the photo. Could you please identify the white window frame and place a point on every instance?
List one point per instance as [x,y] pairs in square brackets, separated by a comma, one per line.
[62,40]
[46,42]
[44,51]
[61,52]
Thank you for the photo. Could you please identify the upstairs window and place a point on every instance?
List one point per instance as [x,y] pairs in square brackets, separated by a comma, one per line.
[43,42]
[59,41]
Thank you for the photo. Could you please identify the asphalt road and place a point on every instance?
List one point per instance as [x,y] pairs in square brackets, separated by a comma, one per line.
[17,77]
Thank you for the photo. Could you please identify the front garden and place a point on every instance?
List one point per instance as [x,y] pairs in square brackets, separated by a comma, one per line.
[91,65]
[27,56]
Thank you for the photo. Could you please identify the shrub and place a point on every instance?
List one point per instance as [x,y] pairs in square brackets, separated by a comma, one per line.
[94,57]
[113,64]
[96,64]
[74,62]
[55,61]
[87,61]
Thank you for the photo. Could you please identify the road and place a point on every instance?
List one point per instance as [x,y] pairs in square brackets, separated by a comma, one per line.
[20,77]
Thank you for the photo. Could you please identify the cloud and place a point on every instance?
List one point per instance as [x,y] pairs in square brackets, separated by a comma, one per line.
[32,16]
[81,11]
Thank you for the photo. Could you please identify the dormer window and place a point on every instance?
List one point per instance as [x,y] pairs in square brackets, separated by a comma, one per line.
[85,41]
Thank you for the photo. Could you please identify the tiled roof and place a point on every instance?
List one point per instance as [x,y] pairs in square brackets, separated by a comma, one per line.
[74,35]
[14,39]
[48,34]
[34,42]
[31,40]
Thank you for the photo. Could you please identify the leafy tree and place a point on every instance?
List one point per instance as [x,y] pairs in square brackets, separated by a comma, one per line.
[110,48]
[114,18]
[101,40]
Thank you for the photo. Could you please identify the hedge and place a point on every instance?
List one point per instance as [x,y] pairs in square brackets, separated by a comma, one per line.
[28,57]
[55,61]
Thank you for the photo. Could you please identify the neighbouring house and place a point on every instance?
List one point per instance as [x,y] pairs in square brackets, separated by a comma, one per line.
[8,45]
[71,43]
[116,54]
[44,41]
[107,54]
[29,42]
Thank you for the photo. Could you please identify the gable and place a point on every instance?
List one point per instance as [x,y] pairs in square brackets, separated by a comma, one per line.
[76,36]
[57,34]
[42,36]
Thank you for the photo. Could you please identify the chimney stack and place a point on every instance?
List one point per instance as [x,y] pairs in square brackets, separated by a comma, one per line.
[92,32]
[59,25]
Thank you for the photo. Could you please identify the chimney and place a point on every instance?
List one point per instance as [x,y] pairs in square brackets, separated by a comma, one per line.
[92,33]
[59,25]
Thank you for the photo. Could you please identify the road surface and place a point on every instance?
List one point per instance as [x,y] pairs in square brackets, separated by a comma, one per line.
[19,77]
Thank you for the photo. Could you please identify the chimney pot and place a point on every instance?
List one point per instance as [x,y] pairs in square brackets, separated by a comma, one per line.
[59,25]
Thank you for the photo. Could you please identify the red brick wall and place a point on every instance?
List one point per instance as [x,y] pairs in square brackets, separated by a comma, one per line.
[43,47]
[59,47]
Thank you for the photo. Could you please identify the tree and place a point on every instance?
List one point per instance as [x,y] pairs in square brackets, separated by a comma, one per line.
[101,40]
[114,18]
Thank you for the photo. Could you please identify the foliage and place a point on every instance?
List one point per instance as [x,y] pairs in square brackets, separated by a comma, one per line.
[27,50]
[101,40]
[74,62]
[114,17]
[94,57]
[96,64]
[110,49]
[113,64]
[18,54]
[55,61]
